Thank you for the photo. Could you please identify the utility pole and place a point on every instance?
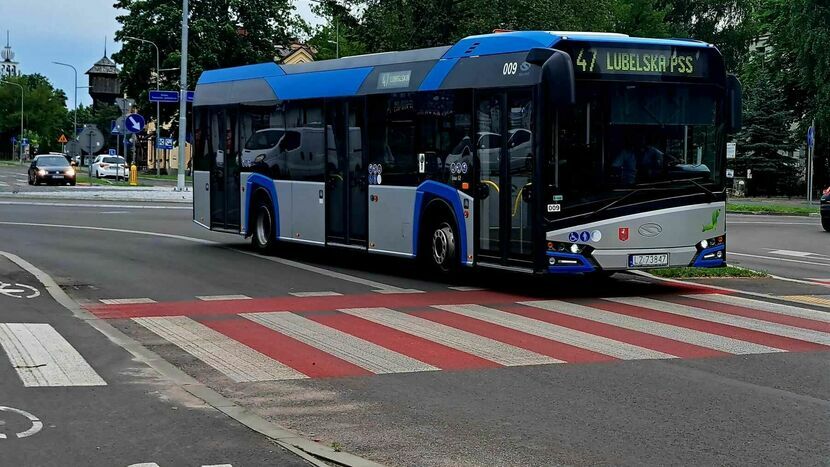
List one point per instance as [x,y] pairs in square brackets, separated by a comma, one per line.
[158,105]
[21,115]
[183,101]
[75,129]
[811,145]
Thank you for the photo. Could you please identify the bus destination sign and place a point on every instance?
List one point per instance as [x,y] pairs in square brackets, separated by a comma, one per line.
[673,62]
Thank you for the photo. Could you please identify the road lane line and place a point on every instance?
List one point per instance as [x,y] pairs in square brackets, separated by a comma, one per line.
[315,294]
[228,356]
[43,358]
[464,341]
[676,334]
[289,351]
[126,301]
[752,312]
[771,258]
[433,353]
[390,289]
[752,324]
[766,306]
[362,353]
[555,332]
[217,298]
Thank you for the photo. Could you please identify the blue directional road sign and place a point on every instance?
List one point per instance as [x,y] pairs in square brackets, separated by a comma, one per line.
[190,95]
[134,123]
[811,137]
[164,96]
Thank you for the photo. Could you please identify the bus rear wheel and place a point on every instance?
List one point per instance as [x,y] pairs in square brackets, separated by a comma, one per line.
[263,238]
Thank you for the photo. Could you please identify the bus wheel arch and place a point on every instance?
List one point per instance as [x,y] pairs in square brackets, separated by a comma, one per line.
[439,240]
[262,221]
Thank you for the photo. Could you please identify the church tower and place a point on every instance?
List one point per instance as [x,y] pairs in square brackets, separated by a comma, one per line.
[103,81]
[8,67]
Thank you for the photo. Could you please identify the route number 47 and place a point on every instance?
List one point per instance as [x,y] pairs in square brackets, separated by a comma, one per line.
[583,63]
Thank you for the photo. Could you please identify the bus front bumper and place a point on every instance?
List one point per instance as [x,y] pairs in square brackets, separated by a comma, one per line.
[620,260]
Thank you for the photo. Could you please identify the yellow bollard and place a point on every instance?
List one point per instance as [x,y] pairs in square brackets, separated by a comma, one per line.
[133,175]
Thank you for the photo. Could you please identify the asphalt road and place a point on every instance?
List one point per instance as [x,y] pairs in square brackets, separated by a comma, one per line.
[355,354]
[787,246]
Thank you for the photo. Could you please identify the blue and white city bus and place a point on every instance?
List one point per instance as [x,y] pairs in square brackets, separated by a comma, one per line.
[546,152]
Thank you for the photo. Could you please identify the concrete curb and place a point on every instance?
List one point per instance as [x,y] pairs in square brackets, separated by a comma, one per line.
[313,452]
[167,196]
[770,213]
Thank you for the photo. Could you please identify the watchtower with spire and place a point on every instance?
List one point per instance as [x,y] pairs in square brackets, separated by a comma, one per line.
[104,86]
[8,67]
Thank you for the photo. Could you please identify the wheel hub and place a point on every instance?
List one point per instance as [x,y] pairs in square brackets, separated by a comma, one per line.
[443,243]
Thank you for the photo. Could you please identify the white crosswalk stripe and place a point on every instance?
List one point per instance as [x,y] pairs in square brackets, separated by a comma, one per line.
[43,358]
[557,333]
[764,306]
[216,298]
[231,358]
[360,352]
[793,332]
[677,333]
[126,301]
[474,344]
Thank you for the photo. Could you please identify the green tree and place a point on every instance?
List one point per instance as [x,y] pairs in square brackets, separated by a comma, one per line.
[765,142]
[43,113]
[342,27]
[799,53]
[223,33]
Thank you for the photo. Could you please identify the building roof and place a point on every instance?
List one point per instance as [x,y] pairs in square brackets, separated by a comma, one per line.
[105,66]
[428,69]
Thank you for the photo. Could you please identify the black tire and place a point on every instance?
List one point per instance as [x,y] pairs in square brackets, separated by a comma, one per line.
[825,223]
[439,243]
[37,181]
[31,181]
[263,227]
[72,183]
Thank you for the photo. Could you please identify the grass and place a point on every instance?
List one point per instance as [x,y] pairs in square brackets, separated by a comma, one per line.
[771,209]
[690,273]
[11,164]
[173,178]
[84,179]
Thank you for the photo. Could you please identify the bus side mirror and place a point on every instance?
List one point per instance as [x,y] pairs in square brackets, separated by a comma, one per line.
[557,75]
[734,104]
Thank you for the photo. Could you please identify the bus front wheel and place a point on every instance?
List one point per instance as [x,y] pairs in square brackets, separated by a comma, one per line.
[263,237]
[441,246]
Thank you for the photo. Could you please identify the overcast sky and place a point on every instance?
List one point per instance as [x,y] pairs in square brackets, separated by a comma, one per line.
[70,31]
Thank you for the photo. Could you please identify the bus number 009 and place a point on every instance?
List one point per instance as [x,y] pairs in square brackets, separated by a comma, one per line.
[510,68]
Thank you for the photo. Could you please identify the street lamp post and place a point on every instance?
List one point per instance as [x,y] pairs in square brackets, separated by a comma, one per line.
[75,116]
[183,100]
[21,115]
[158,111]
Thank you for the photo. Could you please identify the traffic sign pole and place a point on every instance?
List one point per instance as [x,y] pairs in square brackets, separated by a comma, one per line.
[183,102]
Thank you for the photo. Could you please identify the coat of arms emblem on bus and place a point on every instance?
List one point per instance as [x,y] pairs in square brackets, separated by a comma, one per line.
[715,215]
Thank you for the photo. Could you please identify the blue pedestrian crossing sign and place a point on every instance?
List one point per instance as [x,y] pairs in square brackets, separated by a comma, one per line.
[134,123]
[112,152]
[811,137]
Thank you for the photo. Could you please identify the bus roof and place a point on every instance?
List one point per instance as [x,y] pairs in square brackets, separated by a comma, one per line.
[411,70]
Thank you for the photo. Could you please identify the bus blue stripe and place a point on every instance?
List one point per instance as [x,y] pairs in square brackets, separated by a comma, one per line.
[436,76]
[255,181]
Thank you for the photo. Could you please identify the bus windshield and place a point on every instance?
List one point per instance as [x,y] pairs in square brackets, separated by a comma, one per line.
[628,143]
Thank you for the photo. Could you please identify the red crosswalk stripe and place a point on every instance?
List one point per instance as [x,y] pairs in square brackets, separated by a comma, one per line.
[435,354]
[748,335]
[557,350]
[298,355]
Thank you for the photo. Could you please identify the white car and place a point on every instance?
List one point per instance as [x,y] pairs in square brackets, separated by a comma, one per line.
[109,166]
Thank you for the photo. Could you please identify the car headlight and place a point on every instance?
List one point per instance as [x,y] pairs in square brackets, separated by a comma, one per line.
[70,172]
[41,172]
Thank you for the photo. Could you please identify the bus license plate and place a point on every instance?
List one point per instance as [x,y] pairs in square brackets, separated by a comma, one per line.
[648,261]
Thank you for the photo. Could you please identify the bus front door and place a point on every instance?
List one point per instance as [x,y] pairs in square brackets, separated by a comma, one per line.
[224,173]
[504,153]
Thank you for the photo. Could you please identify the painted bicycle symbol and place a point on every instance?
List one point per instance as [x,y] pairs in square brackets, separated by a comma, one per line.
[18,290]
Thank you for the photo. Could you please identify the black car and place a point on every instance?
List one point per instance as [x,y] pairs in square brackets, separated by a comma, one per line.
[825,209]
[51,168]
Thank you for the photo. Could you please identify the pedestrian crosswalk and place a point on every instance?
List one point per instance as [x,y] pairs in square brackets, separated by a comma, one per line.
[336,336]
[41,357]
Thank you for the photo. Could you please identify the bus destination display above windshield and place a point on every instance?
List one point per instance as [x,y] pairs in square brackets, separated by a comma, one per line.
[673,62]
